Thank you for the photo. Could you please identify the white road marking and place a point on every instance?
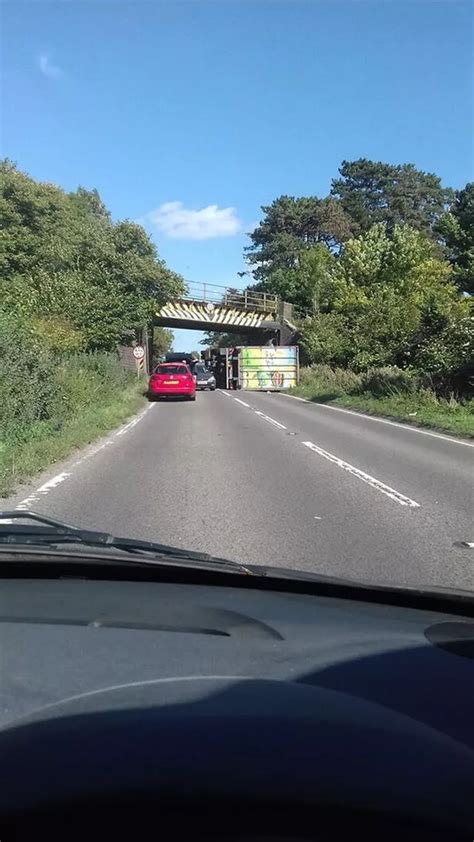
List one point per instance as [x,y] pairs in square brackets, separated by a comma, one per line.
[375,483]
[92,452]
[296,397]
[134,421]
[127,427]
[407,427]
[257,412]
[43,490]
[270,420]
[226,394]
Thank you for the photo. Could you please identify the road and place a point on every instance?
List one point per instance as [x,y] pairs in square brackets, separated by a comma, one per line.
[268,479]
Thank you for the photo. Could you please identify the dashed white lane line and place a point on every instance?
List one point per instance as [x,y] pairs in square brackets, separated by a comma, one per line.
[406,427]
[400,498]
[256,411]
[367,478]
[26,504]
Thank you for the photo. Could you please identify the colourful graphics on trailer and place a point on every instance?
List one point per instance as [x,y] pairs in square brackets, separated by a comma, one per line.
[268,368]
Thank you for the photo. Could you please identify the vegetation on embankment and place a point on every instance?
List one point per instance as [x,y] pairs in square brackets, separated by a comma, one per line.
[73,284]
[391,392]
[75,278]
[381,273]
[50,405]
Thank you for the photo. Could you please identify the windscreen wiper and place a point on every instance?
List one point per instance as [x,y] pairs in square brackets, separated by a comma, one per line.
[51,532]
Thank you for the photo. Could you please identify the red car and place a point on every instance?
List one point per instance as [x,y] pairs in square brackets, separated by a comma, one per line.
[172,380]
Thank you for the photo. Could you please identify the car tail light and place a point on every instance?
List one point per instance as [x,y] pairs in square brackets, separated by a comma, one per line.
[156,379]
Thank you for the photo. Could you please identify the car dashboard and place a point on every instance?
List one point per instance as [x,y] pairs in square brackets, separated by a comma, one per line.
[231,713]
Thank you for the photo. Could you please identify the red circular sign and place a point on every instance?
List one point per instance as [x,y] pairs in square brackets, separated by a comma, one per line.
[277,378]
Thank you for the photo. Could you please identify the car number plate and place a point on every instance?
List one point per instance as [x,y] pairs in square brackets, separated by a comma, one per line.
[171,382]
[202,382]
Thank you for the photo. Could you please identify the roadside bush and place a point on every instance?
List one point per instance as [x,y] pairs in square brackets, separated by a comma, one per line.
[51,403]
[389,391]
[326,339]
[86,380]
[330,380]
[28,389]
[40,391]
[388,380]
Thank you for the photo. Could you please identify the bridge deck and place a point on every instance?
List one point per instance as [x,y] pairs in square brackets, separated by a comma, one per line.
[208,307]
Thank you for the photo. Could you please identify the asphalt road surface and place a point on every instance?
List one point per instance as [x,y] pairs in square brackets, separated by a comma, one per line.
[268,479]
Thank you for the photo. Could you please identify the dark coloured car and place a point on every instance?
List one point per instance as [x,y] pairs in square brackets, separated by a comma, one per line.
[205,378]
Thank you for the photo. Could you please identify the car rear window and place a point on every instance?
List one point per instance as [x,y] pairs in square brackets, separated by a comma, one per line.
[171,369]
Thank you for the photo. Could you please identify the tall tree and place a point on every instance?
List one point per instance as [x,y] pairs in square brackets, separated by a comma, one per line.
[291,225]
[391,302]
[372,192]
[63,259]
[90,202]
[457,229]
[162,342]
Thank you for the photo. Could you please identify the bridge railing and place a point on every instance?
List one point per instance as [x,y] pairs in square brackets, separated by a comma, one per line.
[247,299]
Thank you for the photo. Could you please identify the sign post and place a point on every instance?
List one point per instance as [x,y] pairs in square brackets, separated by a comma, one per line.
[139,354]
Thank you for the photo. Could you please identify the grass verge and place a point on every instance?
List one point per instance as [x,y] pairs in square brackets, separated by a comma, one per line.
[19,461]
[420,408]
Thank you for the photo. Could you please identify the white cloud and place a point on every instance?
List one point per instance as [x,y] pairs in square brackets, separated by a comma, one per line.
[47,68]
[179,223]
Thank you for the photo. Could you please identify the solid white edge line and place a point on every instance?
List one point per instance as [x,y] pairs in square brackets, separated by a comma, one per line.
[408,427]
[296,397]
[367,478]
[42,491]
[49,485]
[270,420]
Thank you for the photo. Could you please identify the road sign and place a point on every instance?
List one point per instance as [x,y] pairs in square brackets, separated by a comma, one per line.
[138,352]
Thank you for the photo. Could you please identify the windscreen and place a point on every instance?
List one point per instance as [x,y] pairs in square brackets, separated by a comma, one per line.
[171,369]
[277,199]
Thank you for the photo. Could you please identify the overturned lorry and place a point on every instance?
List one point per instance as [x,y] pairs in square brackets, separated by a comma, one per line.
[261,368]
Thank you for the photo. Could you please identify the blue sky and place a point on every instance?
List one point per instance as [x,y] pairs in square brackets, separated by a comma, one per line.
[191,114]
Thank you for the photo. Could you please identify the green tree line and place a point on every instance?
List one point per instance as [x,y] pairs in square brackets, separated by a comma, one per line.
[73,285]
[78,280]
[381,271]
